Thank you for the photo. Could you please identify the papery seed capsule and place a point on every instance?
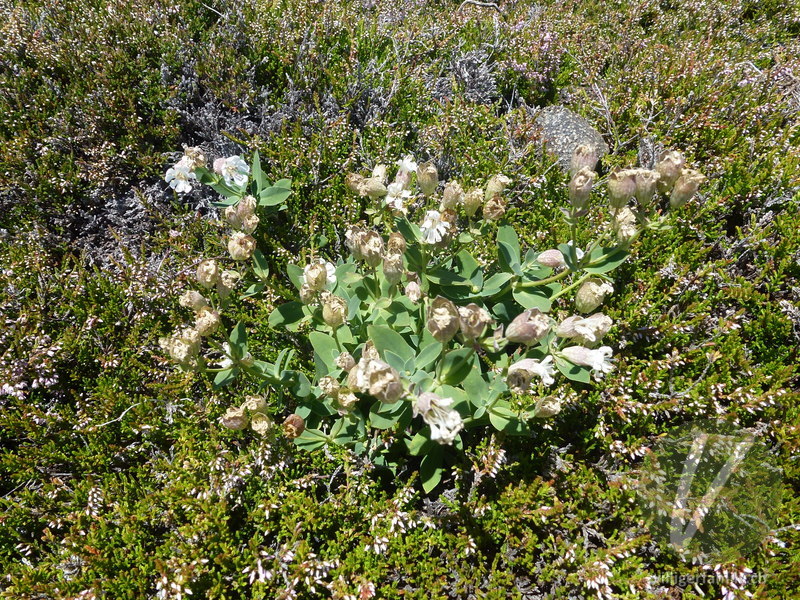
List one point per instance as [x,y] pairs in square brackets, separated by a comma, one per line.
[580,187]
[235,418]
[494,208]
[413,291]
[396,244]
[293,426]
[473,320]
[393,268]
[373,188]
[473,201]
[624,225]
[372,248]
[261,423]
[193,299]
[207,273]
[427,178]
[443,319]
[316,274]
[241,246]
[345,361]
[591,294]
[621,187]
[584,156]
[685,187]
[646,183]
[528,328]
[496,185]
[334,311]
[452,196]
[353,181]
[669,167]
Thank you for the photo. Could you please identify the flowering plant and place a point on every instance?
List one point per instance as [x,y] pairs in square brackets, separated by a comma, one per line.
[415,338]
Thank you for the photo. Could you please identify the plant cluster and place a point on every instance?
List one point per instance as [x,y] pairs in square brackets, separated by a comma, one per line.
[416,340]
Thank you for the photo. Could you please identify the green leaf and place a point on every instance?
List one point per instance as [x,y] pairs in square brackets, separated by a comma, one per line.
[260,265]
[385,339]
[259,180]
[386,416]
[469,268]
[445,277]
[508,249]
[284,183]
[431,469]
[475,386]
[570,256]
[428,354]
[504,419]
[325,352]
[535,298]
[495,283]
[295,273]
[456,365]
[603,260]
[273,196]
[394,360]
[290,315]
[311,439]
[421,442]
[572,371]
[409,230]
[253,290]
[238,340]
[225,377]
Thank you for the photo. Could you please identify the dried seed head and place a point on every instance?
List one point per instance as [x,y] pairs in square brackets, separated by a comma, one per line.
[621,187]
[473,201]
[496,185]
[427,178]
[293,426]
[443,319]
[580,187]
[452,196]
[685,187]
[528,327]
[494,208]
[591,294]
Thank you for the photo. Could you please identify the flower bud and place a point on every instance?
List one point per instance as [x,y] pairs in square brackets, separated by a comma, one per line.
[235,418]
[241,246]
[193,299]
[261,423]
[547,407]
[372,248]
[473,201]
[393,268]
[584,156]
[427,178]
[646,183]
[551,258]
[580,187]
[624,225]
[452,196]
[496,185]
[591,294]
[207,273]
[621,187]
[413,291]
[354,240]
[528,327]
[473,320]
[685,187]
[669,167]
[373,188]
[494,208]
[293,426]
[353,181]
[443,319]
[334,311]
[345,361]
[207,321]
[396,244]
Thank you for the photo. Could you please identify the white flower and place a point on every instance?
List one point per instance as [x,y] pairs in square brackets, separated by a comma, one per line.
[597,360]
[330,271]
[445,422]
[233,170]
[180,176]
[396,197]
[407,164]
[433,227]
[586,330]
[528,367]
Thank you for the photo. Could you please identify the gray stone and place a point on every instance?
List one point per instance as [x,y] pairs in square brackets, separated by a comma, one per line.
[561,130]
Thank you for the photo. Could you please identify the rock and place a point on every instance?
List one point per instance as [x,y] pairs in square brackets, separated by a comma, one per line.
[561,130]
